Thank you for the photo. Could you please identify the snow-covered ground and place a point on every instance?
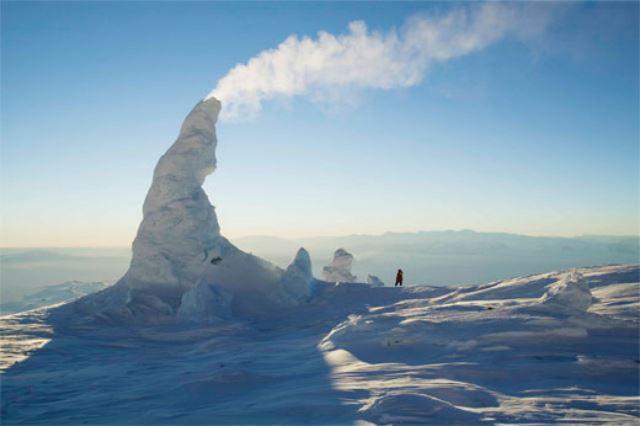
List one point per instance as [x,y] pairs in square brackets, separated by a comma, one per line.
[556,347]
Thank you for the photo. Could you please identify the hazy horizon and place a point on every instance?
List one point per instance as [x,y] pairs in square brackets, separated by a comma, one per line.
[435,257]
[306,237]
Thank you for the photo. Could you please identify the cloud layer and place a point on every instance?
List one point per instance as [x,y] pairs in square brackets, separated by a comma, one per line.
[323,67]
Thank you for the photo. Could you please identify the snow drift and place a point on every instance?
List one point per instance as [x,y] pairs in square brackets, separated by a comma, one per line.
[182,267]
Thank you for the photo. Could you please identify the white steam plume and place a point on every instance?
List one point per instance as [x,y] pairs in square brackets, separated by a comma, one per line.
[363,59]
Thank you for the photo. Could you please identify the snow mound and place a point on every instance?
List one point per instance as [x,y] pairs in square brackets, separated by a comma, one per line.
[180,257]
[571,293]
[415,408]
[340,268]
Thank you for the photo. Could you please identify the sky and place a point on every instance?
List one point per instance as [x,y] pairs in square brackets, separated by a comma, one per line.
[531,132]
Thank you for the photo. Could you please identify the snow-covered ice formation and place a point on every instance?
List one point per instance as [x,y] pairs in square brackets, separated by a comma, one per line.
[182,267]
[482,354]
[374,281]
[340,268]
[298,278]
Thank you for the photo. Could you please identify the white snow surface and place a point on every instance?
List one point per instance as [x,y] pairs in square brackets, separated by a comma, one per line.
[524,350]
[340,268]
[179,255]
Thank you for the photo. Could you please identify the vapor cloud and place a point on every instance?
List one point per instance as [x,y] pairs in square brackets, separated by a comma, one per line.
[363,59]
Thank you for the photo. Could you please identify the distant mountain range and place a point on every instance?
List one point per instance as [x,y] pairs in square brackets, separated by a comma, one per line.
[52,294]
[25,271]
[34,256]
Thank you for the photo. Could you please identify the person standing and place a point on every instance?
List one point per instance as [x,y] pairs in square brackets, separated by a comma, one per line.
[399,278]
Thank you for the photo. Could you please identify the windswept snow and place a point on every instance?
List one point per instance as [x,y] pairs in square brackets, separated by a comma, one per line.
[524,350]
[618,301]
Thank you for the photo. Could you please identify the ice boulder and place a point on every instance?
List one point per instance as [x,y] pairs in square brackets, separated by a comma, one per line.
[374,281]
[182,267]
[570,293]
[340,268]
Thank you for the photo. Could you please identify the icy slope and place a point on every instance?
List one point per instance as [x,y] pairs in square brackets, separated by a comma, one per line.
[428,355]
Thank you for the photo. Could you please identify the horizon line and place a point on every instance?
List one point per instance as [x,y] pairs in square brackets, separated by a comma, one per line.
[293,239]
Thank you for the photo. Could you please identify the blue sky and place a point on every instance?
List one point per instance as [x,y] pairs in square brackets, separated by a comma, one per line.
[536,137]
